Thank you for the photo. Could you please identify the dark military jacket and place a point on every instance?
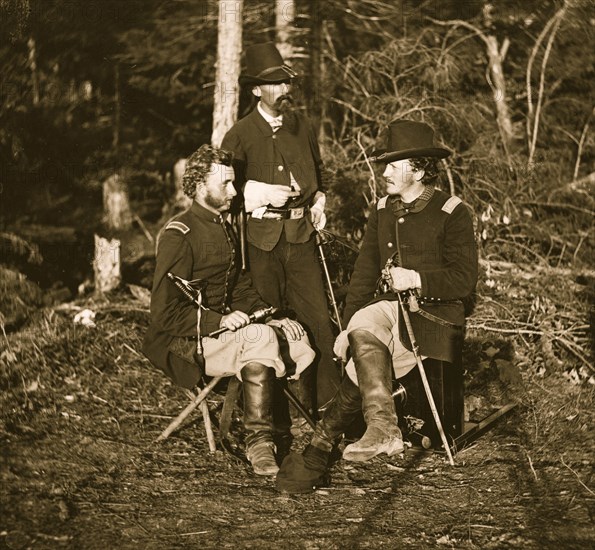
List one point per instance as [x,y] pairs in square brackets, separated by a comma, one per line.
[434,236]
[197,244]
[260,154]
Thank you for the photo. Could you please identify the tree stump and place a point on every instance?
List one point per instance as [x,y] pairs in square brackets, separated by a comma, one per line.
[106,264]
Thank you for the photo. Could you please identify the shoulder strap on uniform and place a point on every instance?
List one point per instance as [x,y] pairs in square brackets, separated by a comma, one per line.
[182,227]
[451,204]
[381,203]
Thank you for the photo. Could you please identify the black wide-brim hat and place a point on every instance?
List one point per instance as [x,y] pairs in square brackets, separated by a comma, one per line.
[407,139]
[264,65]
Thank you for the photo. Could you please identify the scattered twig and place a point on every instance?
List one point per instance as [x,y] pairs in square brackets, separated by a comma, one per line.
[126,520]
[569,347]
[577,477]
[131,349]
[531,464]
[144,229]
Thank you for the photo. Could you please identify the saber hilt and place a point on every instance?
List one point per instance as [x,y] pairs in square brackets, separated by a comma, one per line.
[186,287]
[320,242]
[385,284]
[255,317]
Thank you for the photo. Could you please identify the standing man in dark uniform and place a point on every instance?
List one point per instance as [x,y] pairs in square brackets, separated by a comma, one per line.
[417,238]
[199,244]
[278,161]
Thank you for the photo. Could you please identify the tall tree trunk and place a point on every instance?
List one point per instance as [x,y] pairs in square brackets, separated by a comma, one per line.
[116,208]
[284,27]
[316,103]
[229,49]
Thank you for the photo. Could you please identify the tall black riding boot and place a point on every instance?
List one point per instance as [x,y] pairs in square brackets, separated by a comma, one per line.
[302,473]
[373,365]
[258,383]
[340,413]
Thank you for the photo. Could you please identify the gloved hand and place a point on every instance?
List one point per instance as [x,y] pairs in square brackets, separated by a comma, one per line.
[317,211]
[341,345]
[259,193]
[404,279]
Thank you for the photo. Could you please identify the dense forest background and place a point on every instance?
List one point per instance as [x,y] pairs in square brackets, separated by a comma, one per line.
[111,94]
[93,88]
[101,92]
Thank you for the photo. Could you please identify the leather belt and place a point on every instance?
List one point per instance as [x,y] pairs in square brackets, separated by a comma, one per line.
[285,213]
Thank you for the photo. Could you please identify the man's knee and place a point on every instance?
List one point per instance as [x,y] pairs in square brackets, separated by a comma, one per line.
[372,324]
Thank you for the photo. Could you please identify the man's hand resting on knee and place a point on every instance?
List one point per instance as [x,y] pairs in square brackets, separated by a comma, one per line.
[292,329]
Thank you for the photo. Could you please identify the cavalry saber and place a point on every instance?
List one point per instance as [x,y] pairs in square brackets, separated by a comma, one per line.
[195,296]
[258,315]
[424,379]
[319,244]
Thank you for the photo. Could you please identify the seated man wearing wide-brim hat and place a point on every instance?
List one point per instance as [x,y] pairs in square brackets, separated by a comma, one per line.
[417,238]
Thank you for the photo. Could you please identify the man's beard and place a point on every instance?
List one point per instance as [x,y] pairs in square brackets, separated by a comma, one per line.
[284,105]
[218,203]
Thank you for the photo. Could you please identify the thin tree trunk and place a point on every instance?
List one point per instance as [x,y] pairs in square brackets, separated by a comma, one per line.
[546,56]
[498,84]
[229,49]
[33,67]
[536,46]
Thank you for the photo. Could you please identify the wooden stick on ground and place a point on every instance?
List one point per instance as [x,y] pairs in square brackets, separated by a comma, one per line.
[182,416]
[206,417]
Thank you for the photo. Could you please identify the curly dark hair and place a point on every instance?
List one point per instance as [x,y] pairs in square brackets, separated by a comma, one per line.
[199,165]
[429,165]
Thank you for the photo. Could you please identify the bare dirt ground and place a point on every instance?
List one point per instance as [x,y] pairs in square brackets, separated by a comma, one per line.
[81,410]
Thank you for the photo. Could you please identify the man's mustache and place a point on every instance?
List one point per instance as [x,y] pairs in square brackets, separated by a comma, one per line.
[283,98]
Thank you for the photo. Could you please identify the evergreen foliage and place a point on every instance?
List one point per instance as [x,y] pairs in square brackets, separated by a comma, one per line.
[90,88]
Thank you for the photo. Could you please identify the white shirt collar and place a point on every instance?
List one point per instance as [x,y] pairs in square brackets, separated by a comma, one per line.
[272,120]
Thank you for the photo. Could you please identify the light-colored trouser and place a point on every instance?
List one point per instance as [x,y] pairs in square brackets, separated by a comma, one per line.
[382,320]
[230,352]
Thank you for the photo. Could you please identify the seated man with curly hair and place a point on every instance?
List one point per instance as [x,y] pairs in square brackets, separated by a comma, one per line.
[200,244]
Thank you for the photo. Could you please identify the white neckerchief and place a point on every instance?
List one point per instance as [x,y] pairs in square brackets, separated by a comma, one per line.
[275,122]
